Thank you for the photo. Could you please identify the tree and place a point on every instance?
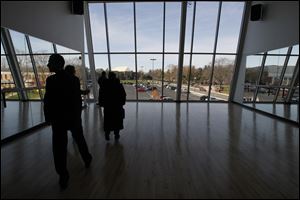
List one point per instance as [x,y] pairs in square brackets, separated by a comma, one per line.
[223,70]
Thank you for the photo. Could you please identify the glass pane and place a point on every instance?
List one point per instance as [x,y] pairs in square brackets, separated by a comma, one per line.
[230,23]
[295,50]
[120,20]
[295,98]
[149,26]
[270,77]
[222,75]
[279,51]
[253,66]
[87,61]
[200,76]
[19,42]
[172,26]
[12,95]
[27,71]
[85,45]
[149,76]
[101,64]
[124,66]
[7,80]
[2,49]
[40,46]
[41,62]
[289,70]
[205,26]
[189,26]
[33,94]
[287,78]
[61,49]
[96,11]
[185,77]
[170,77]
[272,70]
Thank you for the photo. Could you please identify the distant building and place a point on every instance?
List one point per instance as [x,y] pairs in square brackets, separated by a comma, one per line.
[7,80]
[274,73]
[124,73]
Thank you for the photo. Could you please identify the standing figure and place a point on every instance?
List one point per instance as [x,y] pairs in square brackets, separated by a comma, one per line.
[101,81]
[114,99]
[70,69]
[62,109]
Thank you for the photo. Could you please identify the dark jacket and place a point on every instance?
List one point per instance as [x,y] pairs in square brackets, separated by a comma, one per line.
[101,82]
[114,99]
[62,100]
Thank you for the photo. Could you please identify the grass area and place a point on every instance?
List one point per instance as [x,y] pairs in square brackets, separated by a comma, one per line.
[32,94]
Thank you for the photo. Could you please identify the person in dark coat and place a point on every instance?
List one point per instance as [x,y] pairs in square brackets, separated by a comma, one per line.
[114,99]
[101,81]
[62,109]
[70,69]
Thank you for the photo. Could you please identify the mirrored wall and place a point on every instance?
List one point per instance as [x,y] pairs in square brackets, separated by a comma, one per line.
[23,76]
[272,82]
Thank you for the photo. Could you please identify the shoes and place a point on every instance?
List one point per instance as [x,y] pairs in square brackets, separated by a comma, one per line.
[63,181]
[88,162]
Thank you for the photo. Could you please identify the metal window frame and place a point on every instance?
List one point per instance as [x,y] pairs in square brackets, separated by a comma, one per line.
[135,51]
[239,51]
[34,66]
[215,49]
[163,55]
[89,44]
[180,54]
[13,63]
[191,51]
[286,61]
[54,48]
[263,62]
[181,49]
[293,83]
[107,37]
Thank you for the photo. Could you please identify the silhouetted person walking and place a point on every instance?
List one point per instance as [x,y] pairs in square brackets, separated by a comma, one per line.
[101,81]
[70,69]
[114,99]
[62,109]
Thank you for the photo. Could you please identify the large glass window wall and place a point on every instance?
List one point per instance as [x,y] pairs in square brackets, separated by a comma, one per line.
[32,65]
[150,44]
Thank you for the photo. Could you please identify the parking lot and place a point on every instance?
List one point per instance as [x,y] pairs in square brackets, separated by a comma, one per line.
[169,94]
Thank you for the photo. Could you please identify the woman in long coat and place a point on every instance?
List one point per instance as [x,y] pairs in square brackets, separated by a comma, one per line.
[114,99]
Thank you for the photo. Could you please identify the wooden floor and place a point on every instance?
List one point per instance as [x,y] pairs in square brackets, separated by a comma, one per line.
[194,150]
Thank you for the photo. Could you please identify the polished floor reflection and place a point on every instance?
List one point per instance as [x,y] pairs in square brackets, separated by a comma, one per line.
[287,111]
[187,150]
[18,116]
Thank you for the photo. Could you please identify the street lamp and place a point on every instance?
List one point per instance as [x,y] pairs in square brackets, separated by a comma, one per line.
[152,59]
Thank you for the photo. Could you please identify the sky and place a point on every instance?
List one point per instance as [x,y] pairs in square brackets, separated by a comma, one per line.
[149,26]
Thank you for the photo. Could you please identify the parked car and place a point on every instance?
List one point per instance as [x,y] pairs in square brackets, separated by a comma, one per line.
[205,98]
[165,98]
[141,89]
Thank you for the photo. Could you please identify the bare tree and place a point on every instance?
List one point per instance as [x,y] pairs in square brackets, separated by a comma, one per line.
[223,71]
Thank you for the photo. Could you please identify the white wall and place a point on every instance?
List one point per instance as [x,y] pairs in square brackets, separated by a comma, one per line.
[48,20]
[279,27]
